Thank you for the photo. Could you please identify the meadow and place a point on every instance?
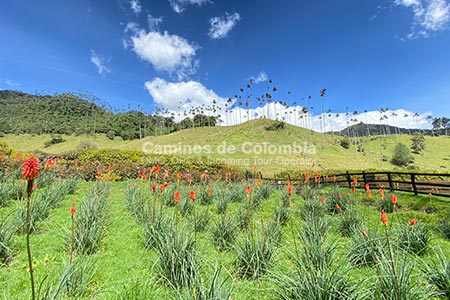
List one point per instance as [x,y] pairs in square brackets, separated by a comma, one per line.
[166,236]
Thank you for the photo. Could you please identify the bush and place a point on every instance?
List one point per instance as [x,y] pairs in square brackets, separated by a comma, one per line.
[254,255]
[413,238]
[177,258]
[6,239]
[224,233]
[350,222]
[437,272]
[401,156]
[345,143]
[55,139]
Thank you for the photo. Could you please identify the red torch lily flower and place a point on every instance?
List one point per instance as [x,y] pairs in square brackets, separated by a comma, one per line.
[192,195]
[323,199]
[73,209]
[248,189]
[393,199]
[154,187]
[384,218]
[289,190]
[30,168]
[412,222]
[209,192]
[176,196]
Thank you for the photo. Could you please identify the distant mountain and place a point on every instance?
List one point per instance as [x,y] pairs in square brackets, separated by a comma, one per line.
[362,129]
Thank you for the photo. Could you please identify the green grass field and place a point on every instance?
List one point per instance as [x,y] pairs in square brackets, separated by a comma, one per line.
[250,144]
[122,264]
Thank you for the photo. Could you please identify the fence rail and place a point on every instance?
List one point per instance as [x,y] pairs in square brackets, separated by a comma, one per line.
[417,183]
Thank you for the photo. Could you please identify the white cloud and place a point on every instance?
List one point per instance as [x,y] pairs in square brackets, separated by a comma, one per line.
[135,6]
[260,77]
[11,83]
[99,62]
[429,16]
[181,96]
[221,26]
[179,5]
[153,23]
[166,52]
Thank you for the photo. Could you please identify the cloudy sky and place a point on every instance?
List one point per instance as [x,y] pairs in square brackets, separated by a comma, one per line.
[179,54]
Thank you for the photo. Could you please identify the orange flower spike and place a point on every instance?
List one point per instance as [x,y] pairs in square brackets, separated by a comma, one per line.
[176,196]
[381,192]
[166,184]
[339,195]
[393,199]
[209,192]
[156,169]
[337,206]
[258,182]
[334,178]
[192,195]
[289,190]
[248,189]
[353,188]
[412,222]
[384,218]
[73,209]
[154,187]
[161,188]
[367,186]
[306,176]
[179,175]
[323,199]
[369,193]
[30,168]
[355,180]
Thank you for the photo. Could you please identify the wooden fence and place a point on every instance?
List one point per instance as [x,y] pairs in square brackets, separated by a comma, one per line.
[417,183]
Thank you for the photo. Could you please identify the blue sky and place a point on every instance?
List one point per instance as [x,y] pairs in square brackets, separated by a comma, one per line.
[368,54]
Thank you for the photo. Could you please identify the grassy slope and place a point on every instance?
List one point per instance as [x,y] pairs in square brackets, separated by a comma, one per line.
[329,154]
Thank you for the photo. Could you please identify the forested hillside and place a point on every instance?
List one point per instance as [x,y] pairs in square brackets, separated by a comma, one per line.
[68,114]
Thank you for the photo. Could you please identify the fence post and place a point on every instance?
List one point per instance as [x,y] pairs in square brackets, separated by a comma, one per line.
[348,180]
[364,178]
[391,184]
[413,182]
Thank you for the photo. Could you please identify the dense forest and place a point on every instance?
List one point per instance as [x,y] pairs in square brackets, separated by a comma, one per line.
[70,114]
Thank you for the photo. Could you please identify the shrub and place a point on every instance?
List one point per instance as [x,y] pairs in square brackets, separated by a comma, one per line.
[224,232]
[281,214]
[6,240]
[401,156]
[243,218]
[201,221]
[363,250]
[55,139]
[443,226]
[221,205]
[254,255]
[177,258]
[437,272]
[350,221]
[413,238]
[138,288]
[216,288]
[345,143]
[91,219]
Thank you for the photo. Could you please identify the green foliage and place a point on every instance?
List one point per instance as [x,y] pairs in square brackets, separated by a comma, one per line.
[55,139]
[401,156]
[275,126]
[6,239]
[91,219]
[345,143]
[437,271]
[177,258]
[417,143]
[413,238]
[363,250]
[224,232]
[350,222]
[254,254]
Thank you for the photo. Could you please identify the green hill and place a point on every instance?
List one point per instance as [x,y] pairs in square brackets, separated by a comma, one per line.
[251,143]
